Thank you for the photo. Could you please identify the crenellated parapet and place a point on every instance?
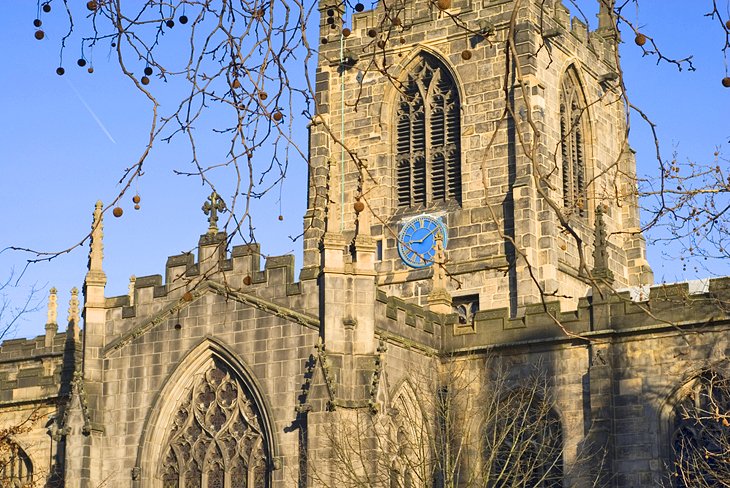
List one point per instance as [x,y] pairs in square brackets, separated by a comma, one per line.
[668,308]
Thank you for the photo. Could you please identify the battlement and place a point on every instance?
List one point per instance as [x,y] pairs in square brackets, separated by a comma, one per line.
[668,308]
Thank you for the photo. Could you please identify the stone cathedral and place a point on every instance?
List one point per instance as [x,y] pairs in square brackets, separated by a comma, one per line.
[469,204]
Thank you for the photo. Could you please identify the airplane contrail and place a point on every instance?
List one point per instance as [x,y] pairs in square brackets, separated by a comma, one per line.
[81,99]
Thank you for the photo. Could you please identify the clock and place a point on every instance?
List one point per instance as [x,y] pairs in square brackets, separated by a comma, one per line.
[417,240]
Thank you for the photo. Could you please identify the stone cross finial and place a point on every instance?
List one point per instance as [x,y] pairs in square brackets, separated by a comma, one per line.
[211,208]
[52,306]
[73,307]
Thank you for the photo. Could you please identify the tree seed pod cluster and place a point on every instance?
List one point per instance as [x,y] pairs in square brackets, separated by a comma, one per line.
[359,206]
[640,39]
[117,212]
[277,116]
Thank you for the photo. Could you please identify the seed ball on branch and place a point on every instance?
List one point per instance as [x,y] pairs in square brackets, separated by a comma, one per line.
[148,71]
[263,95]
[372,33]
[60,71]
[90,69]
[236,83]
[37,22]
[170,23]
[466,55]
[144,80]
[726,82]
[640,39]
[92,5]
[46,7]
[277,116]
[136,199]
[727,24]
[359,7]
[117,212]
[359,206]
[443,4]
[39,34]
[81,62]
[183,19]
[281,217]
[346,32]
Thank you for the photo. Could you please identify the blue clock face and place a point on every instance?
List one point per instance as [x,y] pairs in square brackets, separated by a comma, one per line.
[417,240]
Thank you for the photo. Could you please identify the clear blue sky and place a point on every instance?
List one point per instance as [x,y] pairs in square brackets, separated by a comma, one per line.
[66,139]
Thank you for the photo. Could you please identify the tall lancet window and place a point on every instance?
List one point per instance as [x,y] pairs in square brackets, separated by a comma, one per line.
[216,439]
[428,153]
[15,466]
[573,133]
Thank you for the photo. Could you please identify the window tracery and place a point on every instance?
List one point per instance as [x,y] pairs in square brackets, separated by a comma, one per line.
[572,138]
[216,438]
[526,447]
[701,438]
[428,155]
[16,469]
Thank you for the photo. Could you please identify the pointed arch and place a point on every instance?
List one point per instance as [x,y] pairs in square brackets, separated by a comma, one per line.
[697,428]
[412,441]
[574,132]
[210,425]
[16,468]
[523,443]
[427,134]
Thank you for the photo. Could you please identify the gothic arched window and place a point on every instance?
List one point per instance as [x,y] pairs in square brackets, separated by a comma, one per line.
[572,142]
[16,470]
[524,443]
[216,439]
[701,438]
[428,154]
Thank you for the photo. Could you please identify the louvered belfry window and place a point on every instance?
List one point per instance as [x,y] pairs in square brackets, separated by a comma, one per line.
[572,135]
[428,155]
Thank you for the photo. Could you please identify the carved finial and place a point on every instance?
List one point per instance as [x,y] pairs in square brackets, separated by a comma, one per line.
[96,249]
[439,258]
[439,300]
[52,306]
[211,208]
[73,307]
[600,249]
[132,282]
[605,15]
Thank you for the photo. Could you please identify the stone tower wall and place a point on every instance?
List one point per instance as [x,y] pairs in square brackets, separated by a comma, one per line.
[500,182]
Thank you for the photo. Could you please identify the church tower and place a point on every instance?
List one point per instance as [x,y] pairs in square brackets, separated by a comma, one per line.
[490,129]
